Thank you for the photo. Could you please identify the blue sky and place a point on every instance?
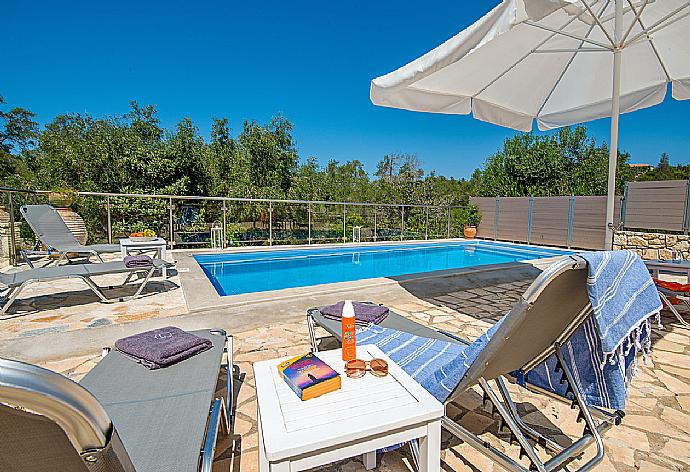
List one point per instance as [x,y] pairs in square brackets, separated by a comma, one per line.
[311,61]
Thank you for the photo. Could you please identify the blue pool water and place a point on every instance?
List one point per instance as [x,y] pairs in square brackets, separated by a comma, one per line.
[245,272]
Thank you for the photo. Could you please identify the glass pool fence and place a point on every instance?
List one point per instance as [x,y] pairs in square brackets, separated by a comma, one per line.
[196,221]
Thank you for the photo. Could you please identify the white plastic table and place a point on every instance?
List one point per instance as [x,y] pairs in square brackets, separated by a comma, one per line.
[159,245]
[675,267]
[366,414]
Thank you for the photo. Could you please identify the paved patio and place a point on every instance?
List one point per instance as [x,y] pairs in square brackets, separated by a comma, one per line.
[654,436]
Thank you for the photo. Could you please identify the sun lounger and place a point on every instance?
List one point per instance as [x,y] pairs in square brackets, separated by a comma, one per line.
[15,282]
[669,291]
[121,417]
[549,342]
[52,231]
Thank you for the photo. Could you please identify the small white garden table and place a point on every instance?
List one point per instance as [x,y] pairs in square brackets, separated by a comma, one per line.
[159,245]
[366,414]
[673,266]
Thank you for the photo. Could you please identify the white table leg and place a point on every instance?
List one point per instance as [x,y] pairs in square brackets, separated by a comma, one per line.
[123,250]
[369,459]
[164,256]
[430,448]
[264,466]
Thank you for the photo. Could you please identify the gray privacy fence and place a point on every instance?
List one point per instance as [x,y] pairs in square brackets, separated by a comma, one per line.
[553,221]
[579,221]
[658,205]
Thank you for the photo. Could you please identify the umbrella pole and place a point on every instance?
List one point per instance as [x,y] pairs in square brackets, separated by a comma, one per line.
[615,113]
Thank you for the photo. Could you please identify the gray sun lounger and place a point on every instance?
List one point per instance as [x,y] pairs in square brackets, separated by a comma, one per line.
[15,282]
[52,231]
[121,417]
[546,316]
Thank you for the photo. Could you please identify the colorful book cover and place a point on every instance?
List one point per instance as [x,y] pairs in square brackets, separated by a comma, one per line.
[308,376]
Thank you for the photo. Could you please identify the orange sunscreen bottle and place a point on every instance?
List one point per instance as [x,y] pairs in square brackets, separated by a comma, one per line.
[348,332]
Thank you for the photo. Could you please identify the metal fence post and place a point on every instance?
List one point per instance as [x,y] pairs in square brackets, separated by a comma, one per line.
[375,225]
[225,226]
[344,225]
[686,212]
[529,219]
[571,207]
[13,236]
[426,223]
[498,209]
[170,221]
[448,222]
[270,223]
[110,223]
[625,199]
[402,223]
[309,223]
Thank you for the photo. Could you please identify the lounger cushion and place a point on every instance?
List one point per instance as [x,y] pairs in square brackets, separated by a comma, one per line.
[161,414]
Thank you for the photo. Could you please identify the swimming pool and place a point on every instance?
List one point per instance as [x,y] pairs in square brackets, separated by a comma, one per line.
[246,272]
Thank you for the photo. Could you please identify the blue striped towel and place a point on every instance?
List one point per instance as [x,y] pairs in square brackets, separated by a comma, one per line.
[436,365]
[439,366]
[623,297]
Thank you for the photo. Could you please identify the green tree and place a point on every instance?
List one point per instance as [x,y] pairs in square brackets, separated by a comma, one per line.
[18,135]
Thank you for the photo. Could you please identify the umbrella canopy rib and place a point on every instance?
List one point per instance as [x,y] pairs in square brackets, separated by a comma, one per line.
[651,43]
[516,63]
[570,61]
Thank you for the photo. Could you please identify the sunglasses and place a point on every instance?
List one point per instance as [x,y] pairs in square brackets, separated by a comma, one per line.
[356,368]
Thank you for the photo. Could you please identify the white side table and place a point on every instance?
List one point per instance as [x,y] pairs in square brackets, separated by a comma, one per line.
[366,414]
[159,245]
[674,267]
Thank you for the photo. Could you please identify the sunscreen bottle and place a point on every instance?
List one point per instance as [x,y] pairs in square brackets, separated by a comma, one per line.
[348,332]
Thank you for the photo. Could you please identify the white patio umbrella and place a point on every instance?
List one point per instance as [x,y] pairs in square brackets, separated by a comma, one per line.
[560,62]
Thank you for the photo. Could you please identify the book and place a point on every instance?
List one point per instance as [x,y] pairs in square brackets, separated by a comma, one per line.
[308,376]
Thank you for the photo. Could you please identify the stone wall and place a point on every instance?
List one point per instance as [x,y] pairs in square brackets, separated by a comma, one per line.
[653,245]
[5,242]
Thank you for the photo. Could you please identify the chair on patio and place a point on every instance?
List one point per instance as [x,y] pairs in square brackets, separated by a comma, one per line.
[550,342]
[670,291]
[15,282]
[52,231]
[121,417]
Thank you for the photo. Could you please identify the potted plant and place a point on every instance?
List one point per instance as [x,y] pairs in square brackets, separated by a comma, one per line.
[470,219]
[62,198]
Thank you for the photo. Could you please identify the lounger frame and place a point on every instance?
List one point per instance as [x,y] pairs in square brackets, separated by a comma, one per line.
[83,419]
[502,404]
[76,247]
[665,293]
[11,293]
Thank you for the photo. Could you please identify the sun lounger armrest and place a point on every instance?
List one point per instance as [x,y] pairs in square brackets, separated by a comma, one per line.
[218,418]
[454,336]
[65,402]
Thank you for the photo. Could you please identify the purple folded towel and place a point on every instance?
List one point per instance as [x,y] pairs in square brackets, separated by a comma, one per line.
[141,261]
[162,347]
[364,312]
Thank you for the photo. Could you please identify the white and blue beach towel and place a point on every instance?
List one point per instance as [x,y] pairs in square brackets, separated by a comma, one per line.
[601,354]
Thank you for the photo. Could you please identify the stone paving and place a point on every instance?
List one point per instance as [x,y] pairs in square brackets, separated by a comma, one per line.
[654,436]
[68,304]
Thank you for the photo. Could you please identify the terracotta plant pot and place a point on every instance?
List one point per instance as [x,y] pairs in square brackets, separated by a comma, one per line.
[75,223]
[470,232]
